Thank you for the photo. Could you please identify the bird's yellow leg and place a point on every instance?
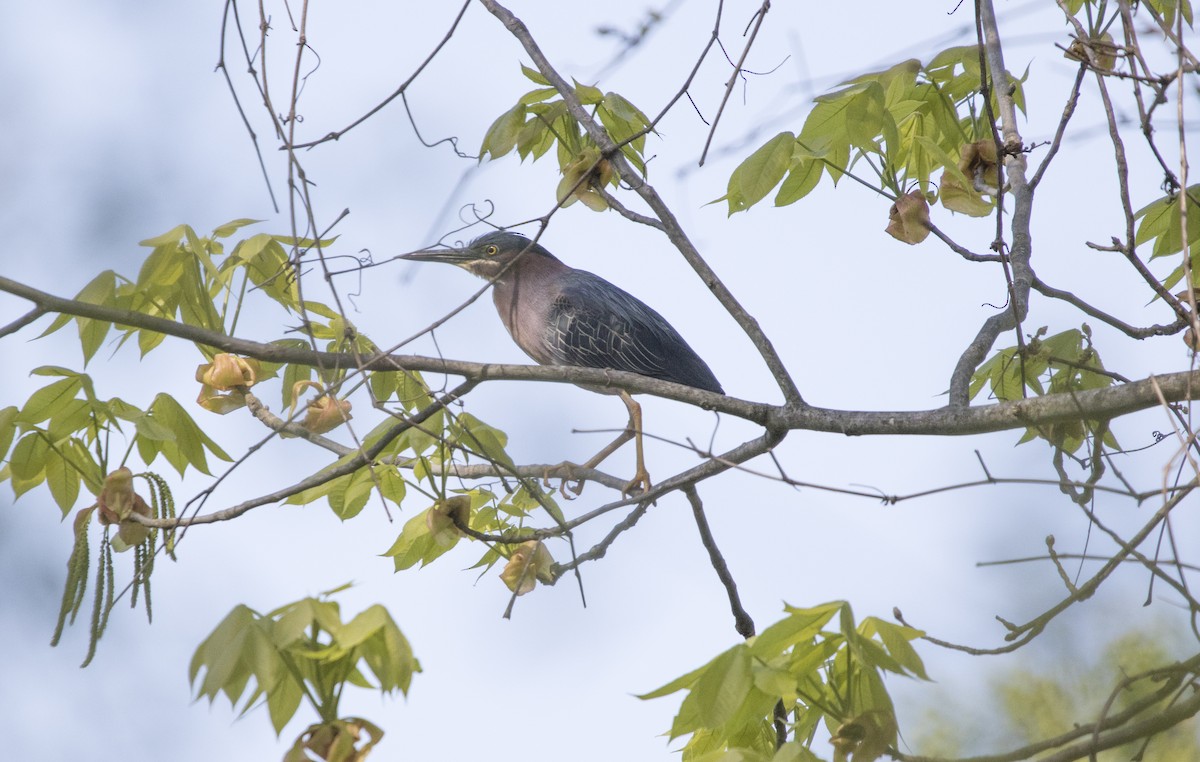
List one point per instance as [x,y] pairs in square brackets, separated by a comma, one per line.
[609,449]
[641,478]
[632,431]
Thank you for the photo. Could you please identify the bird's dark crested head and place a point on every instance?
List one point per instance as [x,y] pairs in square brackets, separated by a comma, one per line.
[487,256]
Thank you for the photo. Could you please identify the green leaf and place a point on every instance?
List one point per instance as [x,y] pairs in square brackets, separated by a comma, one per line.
[794,751]
[46,401]
[501,137]
[722,688]
[229,228]
[1169,8]
[778,683]
[960,198]
[537,96]
[151,429]
[313,494]
[162,269]
[802,178]
[391,483]
[865,117]
[55,325]
[283,699]
[535,76]
[171,236]
[383,384]
[8,428]
[415,544]
[1160,221]
[621,118]
[760,172]
[220,653]
[678,684]
[63,481]
[101,290]
[268,267]
[479,436]
[191,439]
[895,639]
[351,494]
[587,94]
[800,626]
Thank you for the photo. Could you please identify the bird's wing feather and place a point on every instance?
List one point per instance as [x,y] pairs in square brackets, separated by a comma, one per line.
[597,325]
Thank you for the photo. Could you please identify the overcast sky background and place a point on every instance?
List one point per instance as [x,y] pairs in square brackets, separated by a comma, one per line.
[117,129]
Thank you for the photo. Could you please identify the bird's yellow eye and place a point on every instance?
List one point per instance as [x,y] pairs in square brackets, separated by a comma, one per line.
[492,250]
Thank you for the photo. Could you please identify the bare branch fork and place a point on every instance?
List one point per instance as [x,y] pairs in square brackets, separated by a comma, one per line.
[1011,157]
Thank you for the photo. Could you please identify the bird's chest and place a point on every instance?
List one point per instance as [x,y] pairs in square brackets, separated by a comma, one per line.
[527,311]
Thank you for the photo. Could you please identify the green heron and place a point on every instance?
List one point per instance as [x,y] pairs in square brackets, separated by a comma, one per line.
[562,316]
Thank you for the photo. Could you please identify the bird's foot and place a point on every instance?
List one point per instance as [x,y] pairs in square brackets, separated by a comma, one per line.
[638,485]
[568,482]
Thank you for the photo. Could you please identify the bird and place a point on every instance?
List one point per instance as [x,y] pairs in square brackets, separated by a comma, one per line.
[560,315]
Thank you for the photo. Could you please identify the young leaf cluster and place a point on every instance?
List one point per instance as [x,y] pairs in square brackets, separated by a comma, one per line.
[904,124]
[63,437]
[823,677]
[1161,221]
[301,651]
[1060,364]
[540,120]
[431,450]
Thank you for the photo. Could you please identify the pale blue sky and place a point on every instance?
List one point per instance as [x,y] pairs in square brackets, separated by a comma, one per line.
[117,129]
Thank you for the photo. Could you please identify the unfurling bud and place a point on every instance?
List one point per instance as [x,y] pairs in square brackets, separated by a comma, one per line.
[445,518]
[117,497]
[864,738]
[582,177]
[529,562]
[1103,52]
[131,531]
[218,402]
[228,371]
[978,162]
[326,413]
[224,382]
[347,740]
[118,502]
[908,219]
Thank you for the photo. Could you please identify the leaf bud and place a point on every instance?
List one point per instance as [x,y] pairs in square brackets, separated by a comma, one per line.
[326,413]
[908,219]
[445,518]
[228,371]
[529,562]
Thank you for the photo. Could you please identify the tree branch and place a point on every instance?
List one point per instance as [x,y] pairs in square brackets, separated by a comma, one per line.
[741,618]
[1011,156]
[1020,635]
[1109,402]
[349,466]
[1150,725]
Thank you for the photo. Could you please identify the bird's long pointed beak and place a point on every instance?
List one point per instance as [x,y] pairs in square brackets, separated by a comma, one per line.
[458,257]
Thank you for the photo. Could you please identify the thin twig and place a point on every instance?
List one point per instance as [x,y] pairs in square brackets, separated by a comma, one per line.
[757,20]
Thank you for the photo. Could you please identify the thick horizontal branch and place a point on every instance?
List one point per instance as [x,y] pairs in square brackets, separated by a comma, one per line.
[1095,404]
